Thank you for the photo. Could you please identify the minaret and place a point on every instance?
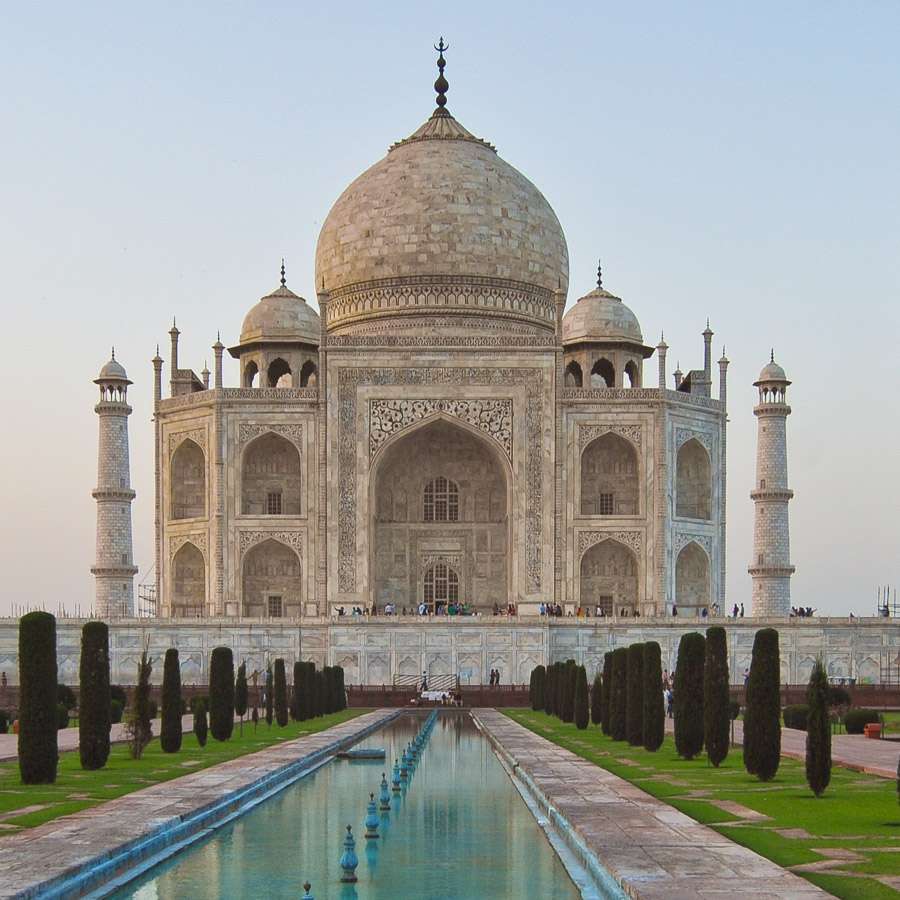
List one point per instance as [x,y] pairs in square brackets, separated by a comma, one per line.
[114,569]
[771,570]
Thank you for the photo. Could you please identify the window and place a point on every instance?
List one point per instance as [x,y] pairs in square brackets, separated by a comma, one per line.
[605,602]
[273,503]
[275,607]
[605,505]
[124,559]
[441,586]
[441,501]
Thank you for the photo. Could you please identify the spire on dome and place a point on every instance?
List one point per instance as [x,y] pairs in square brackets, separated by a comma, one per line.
[441,86]
[599,275]
[283,281]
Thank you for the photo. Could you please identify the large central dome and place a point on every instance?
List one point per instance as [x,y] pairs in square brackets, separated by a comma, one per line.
[440,235]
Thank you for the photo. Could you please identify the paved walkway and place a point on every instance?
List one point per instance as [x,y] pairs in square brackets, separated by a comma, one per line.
[67,739]
[852,751]
[652,850]
[71,855]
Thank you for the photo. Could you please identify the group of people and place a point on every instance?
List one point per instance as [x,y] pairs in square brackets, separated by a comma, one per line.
[551,609]
[509,611]
[495,678]
[356,611]
[735,613]
[802,612]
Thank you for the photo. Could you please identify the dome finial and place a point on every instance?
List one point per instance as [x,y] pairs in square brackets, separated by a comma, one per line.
[283,282]
[772,355]
[599,275]
[113,353]
[441,85]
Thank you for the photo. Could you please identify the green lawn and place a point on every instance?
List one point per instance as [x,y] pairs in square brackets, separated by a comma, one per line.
[857,813]
[24,806]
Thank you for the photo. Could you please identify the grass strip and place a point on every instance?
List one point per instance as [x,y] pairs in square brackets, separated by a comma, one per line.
[24,806]
[781,819]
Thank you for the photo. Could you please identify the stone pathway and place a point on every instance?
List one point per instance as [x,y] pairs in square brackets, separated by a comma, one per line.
[651,849]
[70,855]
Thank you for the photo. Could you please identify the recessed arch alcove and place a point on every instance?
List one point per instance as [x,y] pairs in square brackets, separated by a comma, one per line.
[187,481]
[693,481]
[610,477]
[692,587]
[468,531]
[609,578]
[270,477]
[188,583]
[270,582]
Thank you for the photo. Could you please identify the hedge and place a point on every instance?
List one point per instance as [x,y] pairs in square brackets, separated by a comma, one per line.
[855,720]
[795,716]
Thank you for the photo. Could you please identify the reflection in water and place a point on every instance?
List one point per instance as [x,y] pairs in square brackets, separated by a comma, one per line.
[459,829]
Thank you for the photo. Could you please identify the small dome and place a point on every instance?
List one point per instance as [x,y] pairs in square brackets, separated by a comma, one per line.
[601,316]
[281,317]
[112,371]
[771,371]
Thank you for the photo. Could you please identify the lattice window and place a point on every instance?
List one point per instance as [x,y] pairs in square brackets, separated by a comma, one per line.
[441,586]
[273,503]
[605,602]
[605,504]
[276,607]
[441,501]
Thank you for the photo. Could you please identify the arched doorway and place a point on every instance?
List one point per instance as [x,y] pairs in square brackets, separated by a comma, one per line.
[188,583]
[609,579]
[271,581]
[440,506]
[692,589]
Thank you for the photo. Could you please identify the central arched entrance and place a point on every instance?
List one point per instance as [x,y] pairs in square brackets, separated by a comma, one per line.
[440,501]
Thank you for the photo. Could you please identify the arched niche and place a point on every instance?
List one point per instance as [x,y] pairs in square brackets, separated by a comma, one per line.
[279,374]
[188,583]
[187,476]
[573,375]
[270,580]
[603,374]
[610,477]
[270,477]
[693,481]
[251,371]
[476,543]
[692,587]
[609,578]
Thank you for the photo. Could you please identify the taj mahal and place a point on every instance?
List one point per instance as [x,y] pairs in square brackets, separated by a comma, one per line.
[418,468]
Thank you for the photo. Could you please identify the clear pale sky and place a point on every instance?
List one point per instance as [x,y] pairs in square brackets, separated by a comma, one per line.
[737,162]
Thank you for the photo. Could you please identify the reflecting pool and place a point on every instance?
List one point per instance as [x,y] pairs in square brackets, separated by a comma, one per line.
[458,829]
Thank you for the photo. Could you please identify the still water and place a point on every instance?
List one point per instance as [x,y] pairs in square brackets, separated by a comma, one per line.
[458,829]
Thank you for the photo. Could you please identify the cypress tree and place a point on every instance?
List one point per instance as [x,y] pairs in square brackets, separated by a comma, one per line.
[689,695]
[308,705]
[93,676]
[762,719]
[550,690]
[341,690]
[605,699]
[539,677]
[170,724]
[654,712]
[818,731]
[618,728]
[716,696]
[567,692]
[270,706]
[200,725]
[279,700]
[138,726]
[241,694]
[634,695]
[581,712]
[319,693]
[221,693]
[38,750]
[597,699]
[296,692]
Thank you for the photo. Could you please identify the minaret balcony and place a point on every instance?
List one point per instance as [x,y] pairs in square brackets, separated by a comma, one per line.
[783,494]
[772,571]
[113,494]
